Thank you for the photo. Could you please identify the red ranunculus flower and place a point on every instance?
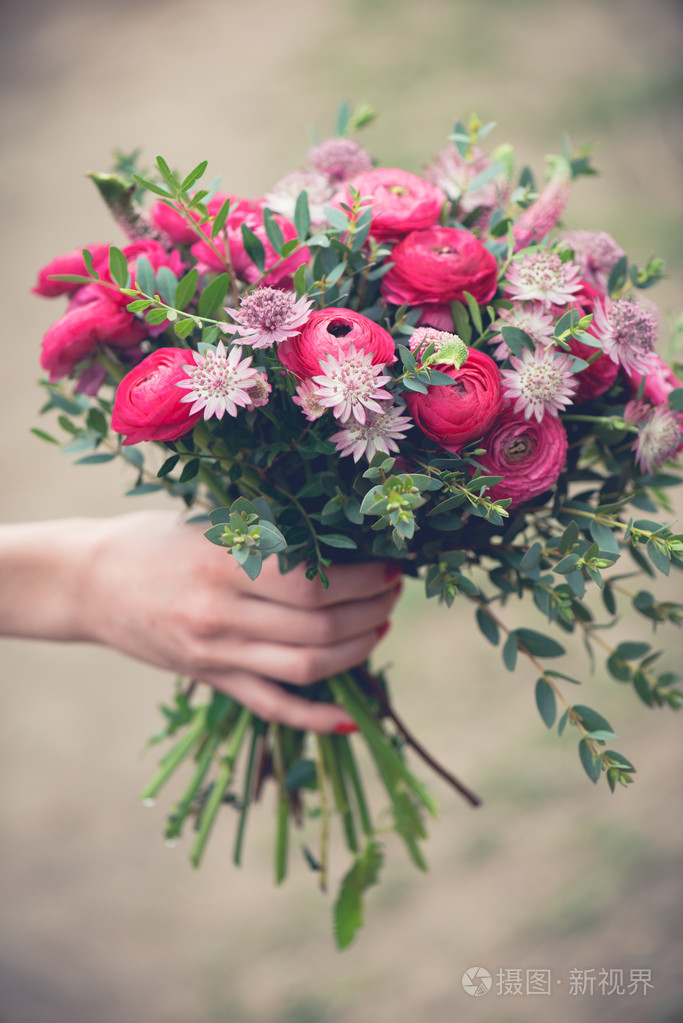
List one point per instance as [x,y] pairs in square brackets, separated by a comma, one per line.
[401,201]
[437,265]
[528,454]
[454,414]
[333,331]
[148,405]
[78,332]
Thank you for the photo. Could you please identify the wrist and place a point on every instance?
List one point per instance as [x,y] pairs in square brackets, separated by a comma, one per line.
[43,567]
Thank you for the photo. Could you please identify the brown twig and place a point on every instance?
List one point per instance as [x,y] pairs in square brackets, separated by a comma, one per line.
[369,680]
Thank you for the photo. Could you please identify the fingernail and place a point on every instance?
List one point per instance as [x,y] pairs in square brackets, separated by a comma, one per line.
[392,571]
[383,629]
[346,728]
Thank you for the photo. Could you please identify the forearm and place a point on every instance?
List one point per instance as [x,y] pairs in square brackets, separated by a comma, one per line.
[40,578]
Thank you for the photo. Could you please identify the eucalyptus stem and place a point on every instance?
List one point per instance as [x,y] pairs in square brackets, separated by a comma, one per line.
[247,793]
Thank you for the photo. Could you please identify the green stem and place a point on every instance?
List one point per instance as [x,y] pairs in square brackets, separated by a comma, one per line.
[246,797]
[220,786]
[176,755]
[324,814]
[348,762]
[341,798]
[179,814]
[282,840]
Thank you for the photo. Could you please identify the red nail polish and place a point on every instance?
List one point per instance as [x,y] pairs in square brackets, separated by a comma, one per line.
[383,629]
[346,728]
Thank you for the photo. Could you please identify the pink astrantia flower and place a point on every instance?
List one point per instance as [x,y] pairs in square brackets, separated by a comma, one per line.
[340,159]
[379,432]
[218,383]
[307,397]
[268,316]
[542,215]
[453,173]
[628,332]
[285,192]
[595,253]
[543,277]
[540,381]
[349,384]
[259,393]
[658,440]
[533,319]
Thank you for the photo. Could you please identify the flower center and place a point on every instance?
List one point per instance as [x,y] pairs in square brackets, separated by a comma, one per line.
[519,448]
[338,328]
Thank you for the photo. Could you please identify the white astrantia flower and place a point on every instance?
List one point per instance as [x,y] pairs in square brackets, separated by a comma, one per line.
[350,385]
[379,432]
[540,381]
[219,382]
[285,192]
[628,332]
[542,277]
[267,316]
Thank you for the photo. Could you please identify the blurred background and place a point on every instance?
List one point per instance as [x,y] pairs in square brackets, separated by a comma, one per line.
[99,920]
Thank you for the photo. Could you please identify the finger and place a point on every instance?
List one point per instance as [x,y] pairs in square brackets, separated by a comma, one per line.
[271,702]
[278,623]
[346,583]
[303,665]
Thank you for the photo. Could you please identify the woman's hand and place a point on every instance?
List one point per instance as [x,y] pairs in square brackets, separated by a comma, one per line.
[156,589]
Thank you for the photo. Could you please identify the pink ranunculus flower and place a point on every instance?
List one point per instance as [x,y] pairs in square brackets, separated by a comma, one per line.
[660,381]
[528,455]
[454,414]
[244,267]
[435,266]
[335,331]
[148,404]
[175,226]
[401,202]
[78,332]
[69,263]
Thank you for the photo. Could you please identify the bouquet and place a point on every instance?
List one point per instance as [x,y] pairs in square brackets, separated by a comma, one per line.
[366,363]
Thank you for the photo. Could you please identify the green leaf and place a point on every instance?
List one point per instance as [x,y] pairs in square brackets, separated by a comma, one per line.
[658,554]
[487,626]
[545,701]
[252,566]
[144,276]
[463,327]
[253,247]
[190,470]
[271,539]
[302,774]
[95,459]
[604,537]
[151,187]
[118,266]
[44,436]
[617,276]
[567,565]
[168,466]
[591,764]
[632,651]
[338,540]
[183,328]
[167,282]
[194,176]
[343,117]
[675,399]
[302,216]
[167,174]
[220,218]
[348,909]
[156,316]
[475,311]
[273,230]
[539,644]
[590,719]
[510,651]
[336,218]
[532,558]
[214,295]
[517,339]
[187,286]
[300,279]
